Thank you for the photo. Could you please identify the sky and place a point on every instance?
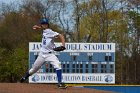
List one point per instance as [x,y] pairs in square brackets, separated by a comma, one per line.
[7,1]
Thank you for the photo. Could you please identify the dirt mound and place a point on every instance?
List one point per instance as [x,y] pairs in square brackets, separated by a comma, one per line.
[43,88]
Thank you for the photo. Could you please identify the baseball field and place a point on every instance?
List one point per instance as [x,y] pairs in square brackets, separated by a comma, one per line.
[43,88]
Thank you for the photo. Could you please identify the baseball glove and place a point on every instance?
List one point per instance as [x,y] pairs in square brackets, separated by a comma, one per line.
[60,48]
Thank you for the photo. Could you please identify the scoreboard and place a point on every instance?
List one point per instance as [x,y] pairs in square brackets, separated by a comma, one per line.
[81,63]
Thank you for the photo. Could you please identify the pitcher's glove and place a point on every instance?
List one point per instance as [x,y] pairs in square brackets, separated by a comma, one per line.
[60,48]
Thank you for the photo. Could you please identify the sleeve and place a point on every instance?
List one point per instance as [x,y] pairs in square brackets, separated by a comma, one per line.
[53,33]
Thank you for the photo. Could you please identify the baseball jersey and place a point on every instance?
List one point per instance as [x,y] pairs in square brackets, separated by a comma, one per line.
[48,40]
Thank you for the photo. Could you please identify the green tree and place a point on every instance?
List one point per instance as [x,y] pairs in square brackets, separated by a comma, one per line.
[13,64]
[102,24]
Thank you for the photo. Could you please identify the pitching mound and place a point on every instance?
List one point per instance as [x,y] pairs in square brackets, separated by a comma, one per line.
[43,88]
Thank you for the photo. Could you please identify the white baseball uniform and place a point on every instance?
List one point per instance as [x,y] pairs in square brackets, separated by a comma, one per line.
[46,52]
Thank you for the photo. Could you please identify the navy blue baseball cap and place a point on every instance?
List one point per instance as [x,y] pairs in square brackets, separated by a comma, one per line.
[44,21]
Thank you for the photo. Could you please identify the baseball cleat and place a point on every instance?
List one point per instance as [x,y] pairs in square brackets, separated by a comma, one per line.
[22,80]
[62,86]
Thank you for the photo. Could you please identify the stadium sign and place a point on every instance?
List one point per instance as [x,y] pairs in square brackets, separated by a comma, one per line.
[81,63]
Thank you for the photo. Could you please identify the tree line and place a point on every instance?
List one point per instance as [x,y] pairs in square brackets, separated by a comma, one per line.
[105,21]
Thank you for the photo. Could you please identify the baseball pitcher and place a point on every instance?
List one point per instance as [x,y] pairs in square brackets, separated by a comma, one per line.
[46,52]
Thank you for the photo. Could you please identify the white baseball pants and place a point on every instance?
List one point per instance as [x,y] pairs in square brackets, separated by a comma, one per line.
[42,58]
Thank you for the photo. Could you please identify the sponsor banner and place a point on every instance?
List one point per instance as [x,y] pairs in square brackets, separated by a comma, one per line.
[78,47]
[73,78]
